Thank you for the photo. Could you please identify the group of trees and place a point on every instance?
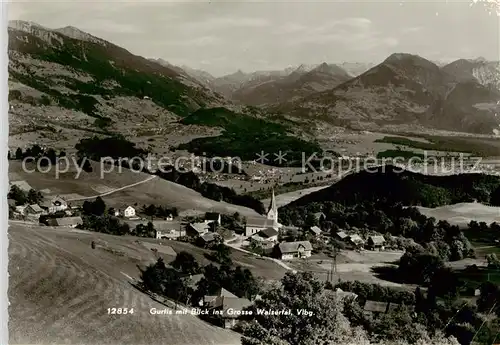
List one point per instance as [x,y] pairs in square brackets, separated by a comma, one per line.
[36,151]
[24,198]
[376,292]
[327,324]
[439,238]
[159,211]
[120,149]
[173,281]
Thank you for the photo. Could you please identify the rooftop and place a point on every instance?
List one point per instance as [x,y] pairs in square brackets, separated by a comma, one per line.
[293,247]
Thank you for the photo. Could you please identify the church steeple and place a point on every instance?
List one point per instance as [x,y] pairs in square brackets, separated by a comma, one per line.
[272,212]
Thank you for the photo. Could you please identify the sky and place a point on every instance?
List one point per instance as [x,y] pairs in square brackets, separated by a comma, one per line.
[223,37]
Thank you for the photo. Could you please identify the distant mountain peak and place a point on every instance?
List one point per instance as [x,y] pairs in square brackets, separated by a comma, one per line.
[78,34]
[25,25]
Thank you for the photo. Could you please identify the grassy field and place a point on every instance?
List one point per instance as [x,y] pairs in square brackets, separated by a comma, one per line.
[156,191]
[483,147]
[351,266]
[60,289]
[461,214]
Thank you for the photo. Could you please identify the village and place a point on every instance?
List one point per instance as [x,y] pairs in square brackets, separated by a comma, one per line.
[289,246]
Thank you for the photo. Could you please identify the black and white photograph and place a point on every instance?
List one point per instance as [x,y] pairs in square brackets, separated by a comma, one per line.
[253,173]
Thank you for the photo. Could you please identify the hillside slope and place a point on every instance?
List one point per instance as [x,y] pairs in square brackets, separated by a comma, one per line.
[60,290]
[404,89]
[65,82]
[391,184]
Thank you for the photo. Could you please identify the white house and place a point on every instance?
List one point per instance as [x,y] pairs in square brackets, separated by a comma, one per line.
[129,212]
[291,250]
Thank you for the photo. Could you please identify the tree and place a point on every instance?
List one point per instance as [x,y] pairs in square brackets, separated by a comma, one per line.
[34,197]
[186,263]
[19,154]
[18,195]
[495,197]
[99,206]
[222,254]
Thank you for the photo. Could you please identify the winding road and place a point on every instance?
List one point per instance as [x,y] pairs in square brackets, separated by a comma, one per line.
[114,190]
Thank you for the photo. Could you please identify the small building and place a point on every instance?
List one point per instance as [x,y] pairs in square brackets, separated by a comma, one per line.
[56,204]
[213,217]
[344,295]
[209,238]
[320,216]
[342,236]
[197,229]
[269,235]
[33,210]
[128,212]
[356,240]
[375,242]
[228,307]
[291,250]
[169,218]
[70,222]
[171,234]
[193,280]
[20,209]
[315,231]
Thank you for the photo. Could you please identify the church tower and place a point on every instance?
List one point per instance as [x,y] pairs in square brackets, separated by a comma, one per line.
[272,212]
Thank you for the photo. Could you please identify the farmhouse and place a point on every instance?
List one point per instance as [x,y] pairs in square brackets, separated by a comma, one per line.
[376,242]
[70,222]
[228,305]
[213,217]
[197,229]
[291,250]
[56,204]
[33,210]
[257,224]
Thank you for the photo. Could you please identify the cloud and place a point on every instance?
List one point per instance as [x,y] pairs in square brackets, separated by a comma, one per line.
[412,30]
[289,28]
[219,23]
[106,26]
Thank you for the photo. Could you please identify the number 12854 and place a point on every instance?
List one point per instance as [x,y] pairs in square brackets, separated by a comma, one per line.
[120,311]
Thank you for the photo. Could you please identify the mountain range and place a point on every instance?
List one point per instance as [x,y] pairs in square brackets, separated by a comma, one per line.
[94,85]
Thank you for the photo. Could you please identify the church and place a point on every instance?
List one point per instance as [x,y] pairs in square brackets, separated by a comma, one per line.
[257,224]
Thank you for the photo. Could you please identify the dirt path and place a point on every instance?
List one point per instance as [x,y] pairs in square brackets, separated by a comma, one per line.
[115,190]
